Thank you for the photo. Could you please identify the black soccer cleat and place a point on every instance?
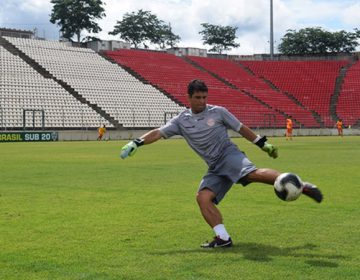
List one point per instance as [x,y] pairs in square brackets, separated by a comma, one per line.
[217,243]
[312,191]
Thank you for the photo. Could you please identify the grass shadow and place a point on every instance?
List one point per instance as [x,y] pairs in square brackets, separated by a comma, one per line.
[320,263]
[265,253]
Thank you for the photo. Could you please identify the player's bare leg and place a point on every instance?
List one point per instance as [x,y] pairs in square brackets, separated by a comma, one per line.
[263,175]
[213,217]
[288,135]
[208,210]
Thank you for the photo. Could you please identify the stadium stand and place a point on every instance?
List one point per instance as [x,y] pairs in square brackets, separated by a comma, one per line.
[22,88]
[172,74]
[237,76]
[78,88]
[348,106]
[310,82]
[125,98]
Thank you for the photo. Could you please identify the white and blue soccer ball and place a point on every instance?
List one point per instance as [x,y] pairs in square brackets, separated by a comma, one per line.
[288,186]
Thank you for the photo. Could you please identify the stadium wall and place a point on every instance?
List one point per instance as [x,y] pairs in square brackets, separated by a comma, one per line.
[279,57]
[89,135]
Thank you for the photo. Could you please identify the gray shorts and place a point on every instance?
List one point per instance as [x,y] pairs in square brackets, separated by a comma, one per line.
[230,169]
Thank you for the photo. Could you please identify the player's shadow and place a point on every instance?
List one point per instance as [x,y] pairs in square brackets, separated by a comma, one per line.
[265,253]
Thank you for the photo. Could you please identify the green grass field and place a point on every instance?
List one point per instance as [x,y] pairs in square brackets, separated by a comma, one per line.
[74,210]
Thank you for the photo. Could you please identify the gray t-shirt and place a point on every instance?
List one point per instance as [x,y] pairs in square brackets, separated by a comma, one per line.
[205,132]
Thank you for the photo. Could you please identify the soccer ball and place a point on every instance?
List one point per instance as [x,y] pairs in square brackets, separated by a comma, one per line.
[288,186]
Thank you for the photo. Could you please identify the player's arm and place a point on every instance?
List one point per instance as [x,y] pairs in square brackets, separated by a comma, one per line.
[259,141]
[247,133]
[150,137]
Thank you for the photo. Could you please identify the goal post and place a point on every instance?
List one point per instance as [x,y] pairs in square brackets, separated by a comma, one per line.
[33,114]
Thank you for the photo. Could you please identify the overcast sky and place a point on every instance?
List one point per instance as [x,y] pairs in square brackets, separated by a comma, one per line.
[250,16]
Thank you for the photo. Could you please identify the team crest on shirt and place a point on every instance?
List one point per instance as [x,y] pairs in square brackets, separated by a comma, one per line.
[210,122]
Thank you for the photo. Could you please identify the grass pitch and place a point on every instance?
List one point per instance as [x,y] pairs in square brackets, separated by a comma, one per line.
[74,210]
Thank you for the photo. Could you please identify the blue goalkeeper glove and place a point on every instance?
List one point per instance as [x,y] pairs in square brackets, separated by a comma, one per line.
[271,150]
[130,148]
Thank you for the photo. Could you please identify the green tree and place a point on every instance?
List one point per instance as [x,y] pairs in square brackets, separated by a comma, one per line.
[221,38]
[315,40]
[343,41]
[73,16]
[165,37]
[143,26]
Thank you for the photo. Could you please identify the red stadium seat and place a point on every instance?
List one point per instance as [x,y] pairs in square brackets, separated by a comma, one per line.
[173,74]
[236,75]
[310,82]
[348,106]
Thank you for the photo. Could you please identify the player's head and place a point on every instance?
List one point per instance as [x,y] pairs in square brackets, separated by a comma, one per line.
[197,95]
[196,86]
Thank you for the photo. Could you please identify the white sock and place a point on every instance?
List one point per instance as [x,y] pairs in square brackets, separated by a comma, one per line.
[221,232]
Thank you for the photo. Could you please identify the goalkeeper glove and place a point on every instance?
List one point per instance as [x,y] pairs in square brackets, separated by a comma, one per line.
[130,148]
[271,150]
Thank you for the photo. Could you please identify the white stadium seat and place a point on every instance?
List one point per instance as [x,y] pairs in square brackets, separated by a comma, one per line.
[128,100]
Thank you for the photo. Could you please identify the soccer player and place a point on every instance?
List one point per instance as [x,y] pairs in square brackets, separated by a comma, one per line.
[101,131]
[339,126]
[289,128]
[204,127]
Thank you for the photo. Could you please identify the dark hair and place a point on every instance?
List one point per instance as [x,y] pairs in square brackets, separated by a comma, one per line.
[196,85]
